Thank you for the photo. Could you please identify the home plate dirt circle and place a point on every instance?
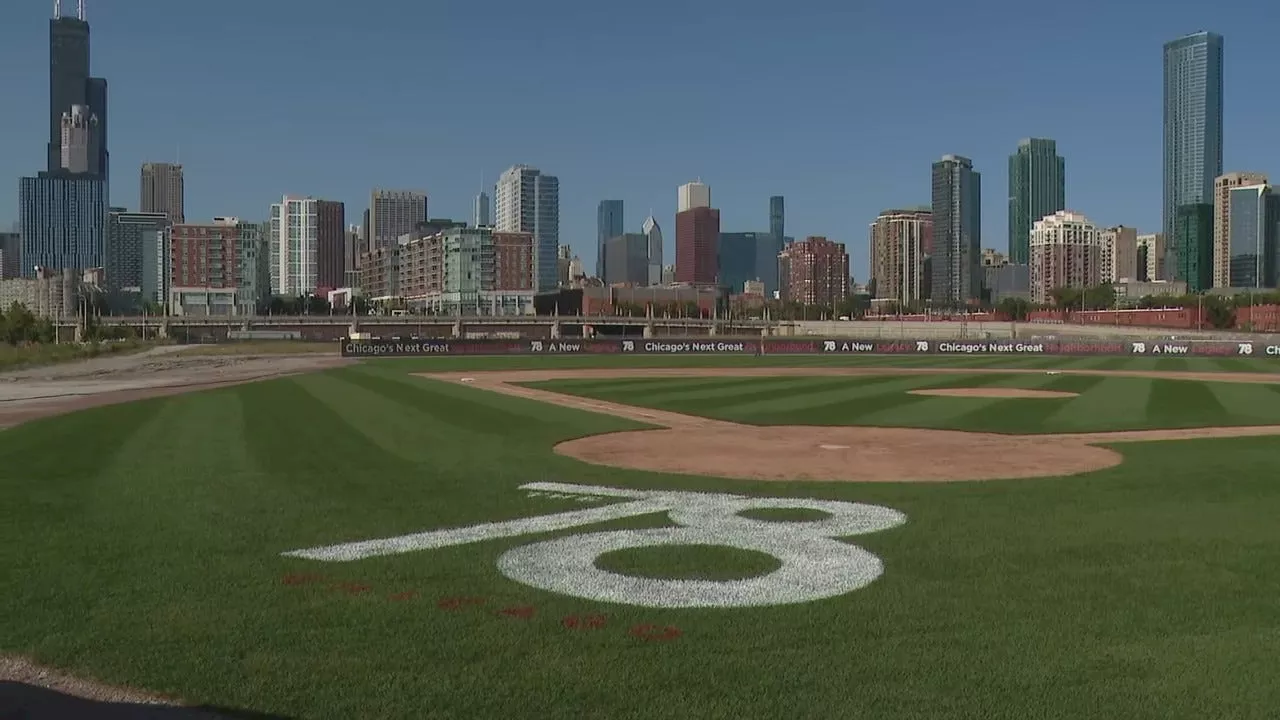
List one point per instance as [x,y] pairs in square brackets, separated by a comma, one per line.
[992,392]
[869,454]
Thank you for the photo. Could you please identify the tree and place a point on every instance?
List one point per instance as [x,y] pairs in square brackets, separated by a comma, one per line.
[1015,308]
[19,324]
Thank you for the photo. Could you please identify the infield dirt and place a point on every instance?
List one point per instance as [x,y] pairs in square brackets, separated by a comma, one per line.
[692,445]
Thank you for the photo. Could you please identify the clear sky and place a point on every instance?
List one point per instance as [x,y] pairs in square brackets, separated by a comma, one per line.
[841,107]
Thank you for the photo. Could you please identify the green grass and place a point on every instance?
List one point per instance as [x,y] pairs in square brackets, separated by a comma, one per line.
[1101,403]
[38,355]
[150,556]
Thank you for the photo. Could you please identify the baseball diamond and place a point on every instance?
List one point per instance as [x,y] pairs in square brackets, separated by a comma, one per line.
[424,531]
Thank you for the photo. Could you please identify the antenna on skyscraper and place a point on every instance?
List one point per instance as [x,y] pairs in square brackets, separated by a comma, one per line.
[57,9]
[80,10]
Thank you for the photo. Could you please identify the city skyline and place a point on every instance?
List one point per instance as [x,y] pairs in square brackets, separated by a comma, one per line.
[1103,147]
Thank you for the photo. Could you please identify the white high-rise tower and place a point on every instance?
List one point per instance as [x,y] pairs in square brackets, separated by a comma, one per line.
[528,201]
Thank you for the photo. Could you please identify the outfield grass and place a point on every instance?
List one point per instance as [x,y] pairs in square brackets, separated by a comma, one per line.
[150,556]
[1102,403]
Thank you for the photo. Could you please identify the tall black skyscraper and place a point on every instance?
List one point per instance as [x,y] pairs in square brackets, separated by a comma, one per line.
[70,85]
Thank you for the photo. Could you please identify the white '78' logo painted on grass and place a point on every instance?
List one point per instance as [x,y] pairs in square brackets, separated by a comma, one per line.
[814,565]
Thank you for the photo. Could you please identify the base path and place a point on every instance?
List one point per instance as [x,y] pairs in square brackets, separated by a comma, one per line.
[701,446]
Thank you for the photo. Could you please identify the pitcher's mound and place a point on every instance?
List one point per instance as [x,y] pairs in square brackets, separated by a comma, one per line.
[853,454]
[993,392]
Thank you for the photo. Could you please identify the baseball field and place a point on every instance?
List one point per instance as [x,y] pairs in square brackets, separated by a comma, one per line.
[659,537]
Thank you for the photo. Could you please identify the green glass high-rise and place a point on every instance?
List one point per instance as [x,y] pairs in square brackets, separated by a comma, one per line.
[1037,187]
[1192,127]
[1193,245]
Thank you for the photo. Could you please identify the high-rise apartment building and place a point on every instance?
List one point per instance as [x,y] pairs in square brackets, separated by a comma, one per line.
[900,240]
[1119,254]
[11,254]
[1192,128]
[957,232]
[331,246]
[1222,187]
[609,225]
[393,213]
[1066,251]
[814,271]
[134,244]
[1152,255]
[302,229]
[1254,237]
[216,268]
[693,195]
[163,190]
[481,211]
[697,241]
[1193,246]
[1037,187]
[528,201]
[654,235]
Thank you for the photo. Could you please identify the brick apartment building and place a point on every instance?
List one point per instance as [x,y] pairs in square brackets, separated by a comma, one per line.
[814,271]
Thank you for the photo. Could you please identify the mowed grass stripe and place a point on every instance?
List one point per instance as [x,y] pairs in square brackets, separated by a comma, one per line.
[790,390]
[1178,403]
[1026,415]
[705,393]
[816,400]
[395,424]
[284,414]
[1246,404]
[875,407]
[1110,403]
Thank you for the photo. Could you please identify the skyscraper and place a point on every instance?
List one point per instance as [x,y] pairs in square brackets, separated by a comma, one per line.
[1037,188]
[529,201]
[900,240]
[697,241]
[654,234]
[133,242]
[393,213]
[63,219]
[609,225]
[1222,187]
[778,218]
[1192,127]
[693,195]
[957,232]
[163,190]
[1254,238]
[306,237]
[481,213]
[70,86]
[1066,251]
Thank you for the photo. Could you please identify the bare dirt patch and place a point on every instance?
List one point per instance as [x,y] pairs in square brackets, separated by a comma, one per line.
[700,446]
[993,392]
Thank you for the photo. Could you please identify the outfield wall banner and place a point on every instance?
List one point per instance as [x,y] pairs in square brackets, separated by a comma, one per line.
[382,347]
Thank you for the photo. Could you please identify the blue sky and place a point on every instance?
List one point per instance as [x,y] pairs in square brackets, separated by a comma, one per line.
[841,107]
